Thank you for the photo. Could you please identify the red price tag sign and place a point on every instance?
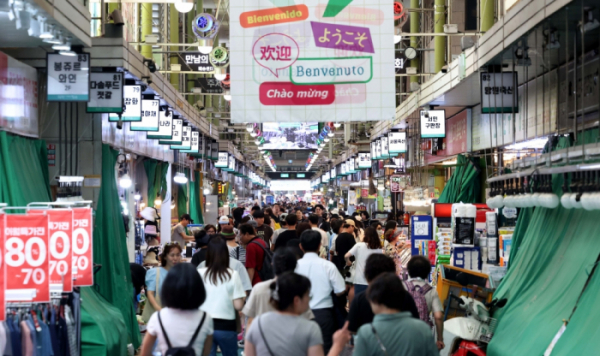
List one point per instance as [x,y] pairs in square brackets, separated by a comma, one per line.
[26,255]
[2,275]
[60,228]
[83,267]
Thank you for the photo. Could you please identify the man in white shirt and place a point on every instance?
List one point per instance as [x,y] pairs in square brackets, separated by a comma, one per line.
[313,220]
[324,278]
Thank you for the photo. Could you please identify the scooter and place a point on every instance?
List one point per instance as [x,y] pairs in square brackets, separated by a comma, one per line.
[469,336]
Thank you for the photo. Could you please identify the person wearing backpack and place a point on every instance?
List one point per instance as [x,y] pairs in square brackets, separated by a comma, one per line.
[224,295]
[425,296]
[259,257]
[180,327]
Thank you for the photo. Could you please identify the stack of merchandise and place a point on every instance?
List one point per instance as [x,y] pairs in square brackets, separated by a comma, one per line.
[444,245]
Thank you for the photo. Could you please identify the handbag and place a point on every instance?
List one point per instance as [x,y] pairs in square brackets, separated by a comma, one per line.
[381,346]
[149,308]
[264,339]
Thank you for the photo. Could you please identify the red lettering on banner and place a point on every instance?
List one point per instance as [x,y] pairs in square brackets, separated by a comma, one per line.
[83,265]
[26,254]
[276,93]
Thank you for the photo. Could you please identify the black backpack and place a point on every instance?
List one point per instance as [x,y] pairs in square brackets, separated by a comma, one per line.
[181,351]
[266,272]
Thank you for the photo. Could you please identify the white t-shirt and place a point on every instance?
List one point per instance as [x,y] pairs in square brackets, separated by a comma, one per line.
[361,251]
[180,326]
[324,238]
[219,297]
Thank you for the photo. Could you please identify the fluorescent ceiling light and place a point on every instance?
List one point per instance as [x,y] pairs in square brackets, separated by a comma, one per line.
[184,6]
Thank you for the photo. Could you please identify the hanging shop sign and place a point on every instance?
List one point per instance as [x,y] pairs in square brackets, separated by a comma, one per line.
[400,63]
[332,173]
[68,77]
[378,154]
[186,139]
[175,134]
[149,113]
[197,62]
[397,142]
[499,93]
[215,150]
[433,123]
[231,166]
[194,143]
[326,177]
[106,93]
[132,100]
[351,165]
[343,169]
[209,85]
[385,151]
[395,184]
[373,150]
[223,161]
[165,123]
[83,253]
[26,256]
[18,97]
[298,55]
[457,138]
[364,161]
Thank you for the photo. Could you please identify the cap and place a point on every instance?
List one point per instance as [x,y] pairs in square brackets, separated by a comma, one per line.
[227,230]
[350,222]
[283,216]
[224,220]
[335,211]
[253,223]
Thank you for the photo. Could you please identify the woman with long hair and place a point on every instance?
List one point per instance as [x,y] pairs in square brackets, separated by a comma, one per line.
[361,251]
[271,218]
[224,296]
[170,256]
[284,331]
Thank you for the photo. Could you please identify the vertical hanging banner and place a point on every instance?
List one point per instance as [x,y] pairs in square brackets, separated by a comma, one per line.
[83,254]
[60,230]
[26,257]
[310,54]
[2,272]
[68,77]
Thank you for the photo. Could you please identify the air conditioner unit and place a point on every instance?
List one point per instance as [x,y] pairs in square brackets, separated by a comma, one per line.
[151,39]
[450,28]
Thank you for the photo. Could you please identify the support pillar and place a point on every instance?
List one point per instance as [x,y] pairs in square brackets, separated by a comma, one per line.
[146,27]
[439,20]
[174,38]
[486,13]
[415,21]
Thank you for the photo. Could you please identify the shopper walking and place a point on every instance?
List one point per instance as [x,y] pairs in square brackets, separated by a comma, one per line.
[325,279]
[155,277]
[394,247]
[283,227]
[313,220]
[425,296]
[210,229]
[259,302]
[287,235]
[229,236]
[224,295]
[393,330]
[360,310]
[202,239]
[284,331]
[263,231]
[361,251]
[180,323]
[255,252]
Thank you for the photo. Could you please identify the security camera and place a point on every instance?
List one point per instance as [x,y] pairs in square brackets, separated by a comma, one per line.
[445,69]
[116,17]
[147,79]
[426,114]
[151,65]
[120,124]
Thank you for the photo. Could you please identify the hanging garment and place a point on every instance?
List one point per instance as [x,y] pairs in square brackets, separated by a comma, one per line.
[71,331]
[26,341]
[44,341]
[62,333]
[15,335]
[8,347]
[52,325]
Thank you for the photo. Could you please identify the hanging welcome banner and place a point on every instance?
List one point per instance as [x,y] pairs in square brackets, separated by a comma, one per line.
[334,59]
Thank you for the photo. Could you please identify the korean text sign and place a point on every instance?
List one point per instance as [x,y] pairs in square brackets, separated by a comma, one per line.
[106,93]
[26,255]
[83,263]
[336,61]
[68,77]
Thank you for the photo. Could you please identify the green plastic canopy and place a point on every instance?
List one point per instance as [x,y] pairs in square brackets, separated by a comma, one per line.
[113,281]
[195,200]
[23,170]
[157,179]
[103,330]
[464,185]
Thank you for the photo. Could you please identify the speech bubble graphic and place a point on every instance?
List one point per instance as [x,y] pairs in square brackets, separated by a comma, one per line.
[275,51]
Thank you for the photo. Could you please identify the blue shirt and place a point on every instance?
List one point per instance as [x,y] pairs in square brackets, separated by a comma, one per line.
[151,279]
[400,333]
